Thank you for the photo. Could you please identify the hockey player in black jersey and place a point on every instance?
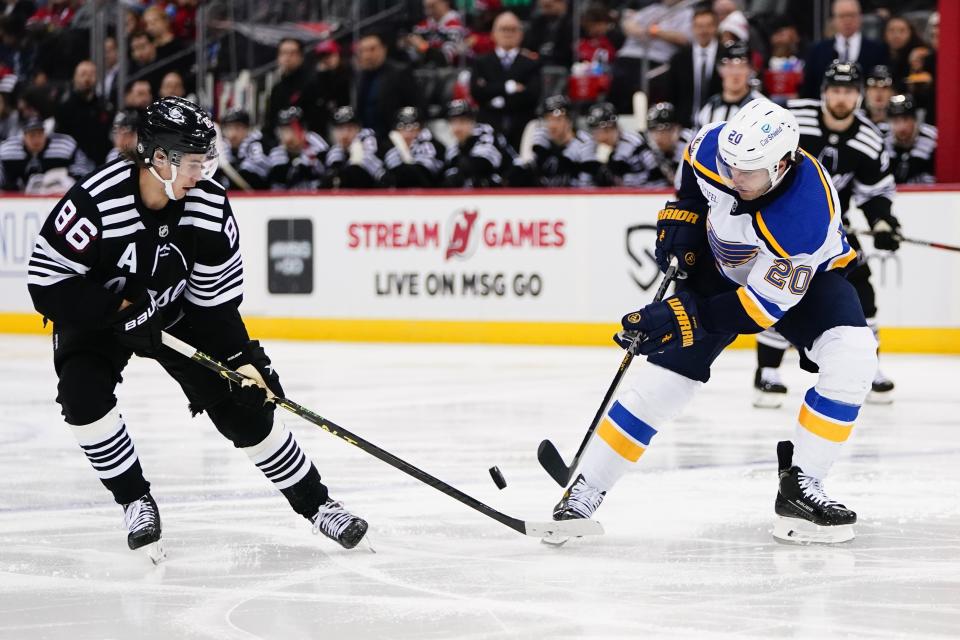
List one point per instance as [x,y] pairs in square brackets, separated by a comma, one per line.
[243,151]
[842,138]
[560,150]
[616,157]
[412,156]
[876,98]
[735,71]
[481,157]
[352,162]
[667,140]
[912,145]
[142,246]
[35,156]
[297,162]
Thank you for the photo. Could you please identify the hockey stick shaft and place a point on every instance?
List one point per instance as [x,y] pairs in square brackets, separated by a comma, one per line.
[336,430]
[548,454]
[922,243]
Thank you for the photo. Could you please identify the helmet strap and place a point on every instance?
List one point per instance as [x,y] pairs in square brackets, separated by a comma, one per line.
[167,184]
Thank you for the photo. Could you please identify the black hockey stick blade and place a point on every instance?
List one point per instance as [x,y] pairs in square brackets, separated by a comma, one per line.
[571,528]
[552,462]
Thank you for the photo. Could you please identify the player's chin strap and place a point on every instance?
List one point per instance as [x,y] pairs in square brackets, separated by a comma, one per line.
[167,184]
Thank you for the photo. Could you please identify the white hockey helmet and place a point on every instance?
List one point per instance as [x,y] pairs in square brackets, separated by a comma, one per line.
[757,138]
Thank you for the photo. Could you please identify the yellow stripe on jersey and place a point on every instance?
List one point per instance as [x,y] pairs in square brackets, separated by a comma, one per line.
[686,155]
[710,174]
[769,236]
[841,261]
[754,309]
[626,447]
[832,431]
[823,181]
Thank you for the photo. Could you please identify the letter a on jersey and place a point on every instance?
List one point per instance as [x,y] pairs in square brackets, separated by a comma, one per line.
[129,258]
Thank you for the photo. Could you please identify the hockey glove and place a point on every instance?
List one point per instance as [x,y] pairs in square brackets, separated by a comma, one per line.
[262,384]
[662,325]
[886,233]
[681,232]
[139,326]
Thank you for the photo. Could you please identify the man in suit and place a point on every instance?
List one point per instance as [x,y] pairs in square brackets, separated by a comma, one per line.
[693,69]
[848,45]
[383,86]
[506,82]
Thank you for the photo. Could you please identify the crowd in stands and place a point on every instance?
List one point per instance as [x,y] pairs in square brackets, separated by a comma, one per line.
[502,95]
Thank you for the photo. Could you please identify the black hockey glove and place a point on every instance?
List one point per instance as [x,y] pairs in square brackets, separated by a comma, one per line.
[662,325]
[886,233]
[139,326]
[681,232]
[263,383]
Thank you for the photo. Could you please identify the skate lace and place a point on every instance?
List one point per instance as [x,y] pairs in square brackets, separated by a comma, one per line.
[139,514]
[332,519]
[584,499]
[813,490]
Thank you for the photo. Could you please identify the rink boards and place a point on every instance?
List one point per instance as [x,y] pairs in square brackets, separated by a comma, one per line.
[503,266]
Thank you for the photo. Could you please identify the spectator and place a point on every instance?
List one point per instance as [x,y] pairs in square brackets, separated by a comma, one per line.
[144,56]
[353,162]
[667,140]
[560,151]
[693,70]
[783,76]
[123,135]
[506,83]
[479,40]
[550,33]
[35,102]
[243,163]
[901,39]
[84,115]
[921,81]
[735,73]
[615,157]
[55,15]
[157,24]
[184,21]
[383,86]
[331,83]
[654,34]
[111,63]
[9,116]
[411,155]
[878,93]
[172,85]
[848,45]
[37,162]
[478,158]
[596,43]
[911,144]
[138,95]
[296,163]
[294,89]
[437,40]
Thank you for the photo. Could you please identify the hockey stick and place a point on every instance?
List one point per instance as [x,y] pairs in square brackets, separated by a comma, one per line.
[535,529]
[922,243]
[547,453]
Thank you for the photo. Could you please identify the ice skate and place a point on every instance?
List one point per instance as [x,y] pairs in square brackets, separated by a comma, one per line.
[142,518]
[769,390]
[578,502]
[338,524]
[881,391]
[804,511]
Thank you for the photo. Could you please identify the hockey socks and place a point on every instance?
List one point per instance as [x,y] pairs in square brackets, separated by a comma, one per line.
[282,461]
[113,457]
[822,427]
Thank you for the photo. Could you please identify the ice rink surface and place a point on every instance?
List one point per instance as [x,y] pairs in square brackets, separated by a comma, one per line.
[687,553]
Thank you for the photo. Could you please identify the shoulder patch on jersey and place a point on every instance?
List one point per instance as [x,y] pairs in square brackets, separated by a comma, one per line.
[798,221]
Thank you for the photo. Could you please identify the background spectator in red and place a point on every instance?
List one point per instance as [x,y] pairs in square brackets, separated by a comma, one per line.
[331,80]
[506,83]
[438,38]
[84,115]
[479,40]
[783,76]
[599,39]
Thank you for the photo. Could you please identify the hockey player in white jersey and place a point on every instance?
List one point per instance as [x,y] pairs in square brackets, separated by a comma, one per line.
[756,227]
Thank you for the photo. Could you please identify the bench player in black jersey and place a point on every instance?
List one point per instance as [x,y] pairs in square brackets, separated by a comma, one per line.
[149,244]
[852,150]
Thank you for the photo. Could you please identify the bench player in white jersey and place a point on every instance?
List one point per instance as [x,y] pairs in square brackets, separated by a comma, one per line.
[756,226]
[150,244]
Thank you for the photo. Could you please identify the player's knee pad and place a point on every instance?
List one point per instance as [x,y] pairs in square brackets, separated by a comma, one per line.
[243,427]
[847,357]
[85,388]
[658,395]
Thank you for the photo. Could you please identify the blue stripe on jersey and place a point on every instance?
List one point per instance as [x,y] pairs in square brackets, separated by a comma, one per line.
[768,306]
[631,424]
[833,409]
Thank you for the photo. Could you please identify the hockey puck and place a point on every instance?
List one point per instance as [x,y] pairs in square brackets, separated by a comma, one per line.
[497,478]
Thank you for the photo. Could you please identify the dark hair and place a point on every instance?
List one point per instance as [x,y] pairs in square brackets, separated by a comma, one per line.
[374,33]
[140,34]
[704,10]
[130,84]
[293,40]
[914,41]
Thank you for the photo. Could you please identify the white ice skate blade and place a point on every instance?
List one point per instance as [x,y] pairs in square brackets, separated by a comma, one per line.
[797,531]
[764,400]
[563,528]
[880,397]
[155,551]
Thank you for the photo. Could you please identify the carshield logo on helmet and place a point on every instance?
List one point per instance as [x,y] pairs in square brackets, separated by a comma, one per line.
[765,128]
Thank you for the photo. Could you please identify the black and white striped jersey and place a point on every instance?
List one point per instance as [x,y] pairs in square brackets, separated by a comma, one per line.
[101,244]
[716,109]
[482,160]
[425,168]
[249,160]
[296,171]
[17,165]
[914,163]
[856,159]
[630,163]
[563,165]
[360,155]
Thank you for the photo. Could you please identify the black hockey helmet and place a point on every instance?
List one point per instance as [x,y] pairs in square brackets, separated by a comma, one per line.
[880,76]
[733,50]
[287,117]
[661,116]
[177,127]
[345,115]
[407,117]
[461,109]
[556,105]
[902,105]
[843,74]
[235,116]
[127,119]
[602,114]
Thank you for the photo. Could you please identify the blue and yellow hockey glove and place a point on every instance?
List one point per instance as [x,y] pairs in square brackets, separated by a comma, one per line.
[667,324]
